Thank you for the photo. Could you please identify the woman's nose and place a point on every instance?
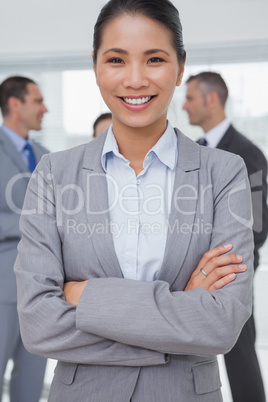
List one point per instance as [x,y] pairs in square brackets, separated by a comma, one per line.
[136,77]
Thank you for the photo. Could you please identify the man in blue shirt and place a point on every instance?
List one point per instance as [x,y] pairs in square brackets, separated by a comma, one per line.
[23,108]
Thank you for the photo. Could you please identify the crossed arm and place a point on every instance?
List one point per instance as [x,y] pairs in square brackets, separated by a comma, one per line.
[99,334]
[220,268]
[204,319]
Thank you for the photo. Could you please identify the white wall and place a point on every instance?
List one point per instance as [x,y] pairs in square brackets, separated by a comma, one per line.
[223,21]
[51,26]
[47,26]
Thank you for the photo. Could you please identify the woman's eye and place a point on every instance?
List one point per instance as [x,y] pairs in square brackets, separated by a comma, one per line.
[156,60]
[115,60]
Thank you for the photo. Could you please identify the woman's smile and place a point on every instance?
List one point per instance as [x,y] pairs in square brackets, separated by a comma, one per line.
[137,102]
[137,72]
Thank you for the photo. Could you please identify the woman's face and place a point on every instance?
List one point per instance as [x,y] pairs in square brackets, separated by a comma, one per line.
[137,71]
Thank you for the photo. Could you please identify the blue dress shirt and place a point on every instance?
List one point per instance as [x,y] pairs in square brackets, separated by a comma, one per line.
[139,206]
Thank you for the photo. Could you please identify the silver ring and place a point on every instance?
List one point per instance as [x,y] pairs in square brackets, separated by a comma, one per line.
[203,272]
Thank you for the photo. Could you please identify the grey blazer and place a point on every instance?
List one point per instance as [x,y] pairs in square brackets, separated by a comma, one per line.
[130,340]
[14,177]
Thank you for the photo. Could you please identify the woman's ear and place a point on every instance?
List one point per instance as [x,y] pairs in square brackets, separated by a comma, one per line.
[180,75]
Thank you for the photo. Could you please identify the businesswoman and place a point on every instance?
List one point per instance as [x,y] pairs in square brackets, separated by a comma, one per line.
[114,276]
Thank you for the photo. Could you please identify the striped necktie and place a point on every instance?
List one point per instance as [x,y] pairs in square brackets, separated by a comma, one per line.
[30,156]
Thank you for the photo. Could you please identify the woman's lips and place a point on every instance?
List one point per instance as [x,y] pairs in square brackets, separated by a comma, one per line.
[137,102]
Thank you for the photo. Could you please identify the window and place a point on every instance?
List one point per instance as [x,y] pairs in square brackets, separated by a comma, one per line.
[74,102]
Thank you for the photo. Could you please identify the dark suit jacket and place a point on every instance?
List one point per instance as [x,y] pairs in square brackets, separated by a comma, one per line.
[256,164]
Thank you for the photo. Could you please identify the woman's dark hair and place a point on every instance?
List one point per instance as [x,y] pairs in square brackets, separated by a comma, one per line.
[162,11]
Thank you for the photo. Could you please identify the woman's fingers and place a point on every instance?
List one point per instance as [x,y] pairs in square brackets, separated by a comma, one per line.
[73,291]
[222,282]
[216,279]
[215,252]
[216,269]
[221,261]
[220,276]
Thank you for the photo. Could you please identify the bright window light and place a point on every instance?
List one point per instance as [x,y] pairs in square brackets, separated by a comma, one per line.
[82,102]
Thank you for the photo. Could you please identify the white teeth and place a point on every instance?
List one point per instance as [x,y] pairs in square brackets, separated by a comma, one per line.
[138,101]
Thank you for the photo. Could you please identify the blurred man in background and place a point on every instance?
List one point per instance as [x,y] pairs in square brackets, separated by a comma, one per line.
[101,124]
[23,108]
[206,97]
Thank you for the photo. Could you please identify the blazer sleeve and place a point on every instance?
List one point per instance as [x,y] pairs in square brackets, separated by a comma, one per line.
[9,226]
[47,321]
[195,322]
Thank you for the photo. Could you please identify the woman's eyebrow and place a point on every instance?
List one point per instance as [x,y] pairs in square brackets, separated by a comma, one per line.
[147,52]
[116,50]
[152,51]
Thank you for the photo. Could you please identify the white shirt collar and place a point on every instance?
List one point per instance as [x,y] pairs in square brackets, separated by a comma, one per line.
[165,149]
[214,135]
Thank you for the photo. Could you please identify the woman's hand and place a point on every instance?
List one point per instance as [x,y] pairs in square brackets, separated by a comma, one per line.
[73,291]
[216,269]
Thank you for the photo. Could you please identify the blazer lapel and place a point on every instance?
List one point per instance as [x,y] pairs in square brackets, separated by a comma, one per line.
[183,208]
[182,216]
[11,150]
[227,139]
[95,183]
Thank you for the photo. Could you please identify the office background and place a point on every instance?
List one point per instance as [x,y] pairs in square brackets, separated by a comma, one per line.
[51,42]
